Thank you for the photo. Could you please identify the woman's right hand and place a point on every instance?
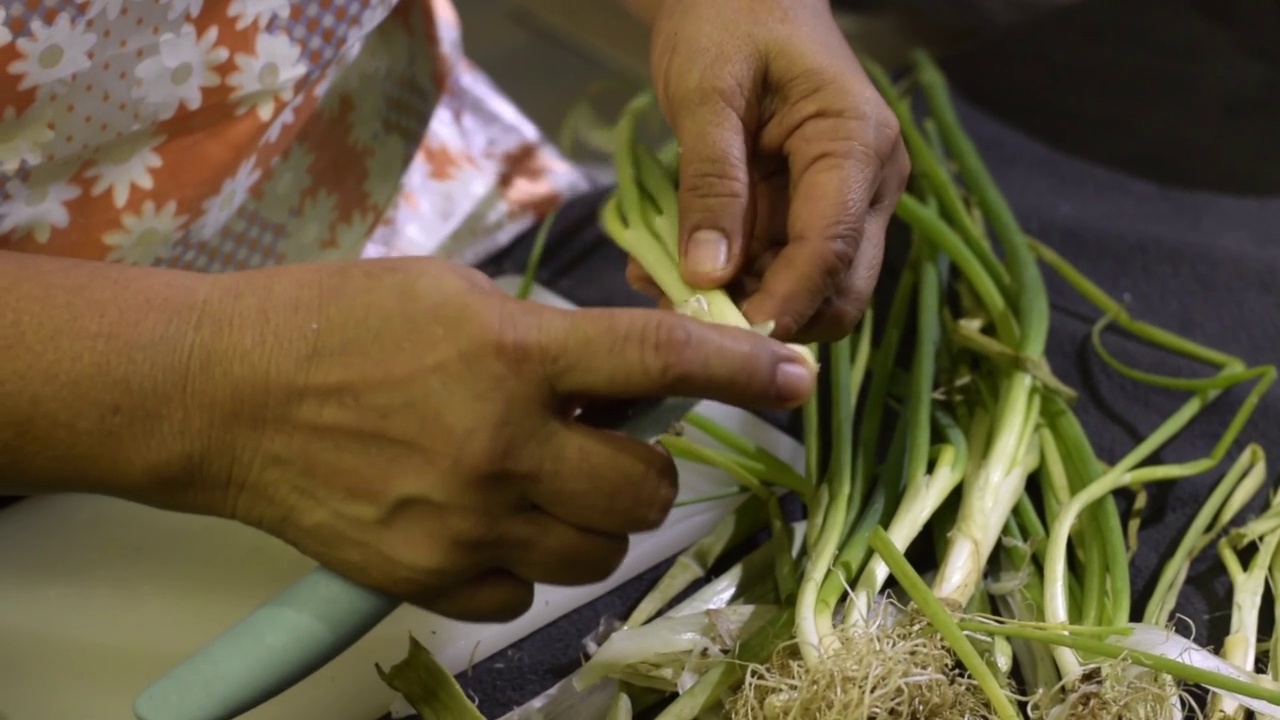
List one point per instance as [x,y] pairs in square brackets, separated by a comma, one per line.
[408,425]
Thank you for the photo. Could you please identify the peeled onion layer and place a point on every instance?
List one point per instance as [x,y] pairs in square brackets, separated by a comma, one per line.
[1168,644]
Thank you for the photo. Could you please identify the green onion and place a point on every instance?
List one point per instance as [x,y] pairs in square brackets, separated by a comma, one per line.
[1123,474]
[944,623]
[1248,586]
[695,562]
[1240,483]
[429,689]
[954,393]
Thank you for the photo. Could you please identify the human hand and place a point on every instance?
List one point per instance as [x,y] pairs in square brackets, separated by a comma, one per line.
[409,426]
[791,163]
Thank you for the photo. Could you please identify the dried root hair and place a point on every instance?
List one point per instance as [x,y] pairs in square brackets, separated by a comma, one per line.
[894,667]
[1114,690]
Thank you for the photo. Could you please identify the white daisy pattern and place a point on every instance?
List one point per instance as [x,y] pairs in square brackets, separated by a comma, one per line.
[123,164]
[145,237]
[36,209]
[267,76]
[286,117]
[52,52]
[22,135]
[5,35]
[180,71]
[218,136]
[184,8]
[235,190]
[248,12]
[111,8]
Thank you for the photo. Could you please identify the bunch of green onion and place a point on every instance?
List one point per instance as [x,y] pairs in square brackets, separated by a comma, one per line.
[945,434]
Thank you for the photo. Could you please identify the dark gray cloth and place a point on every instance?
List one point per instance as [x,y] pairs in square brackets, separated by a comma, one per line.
[1185,92]
[1130,131]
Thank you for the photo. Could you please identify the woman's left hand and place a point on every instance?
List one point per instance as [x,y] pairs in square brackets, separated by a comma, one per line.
[791,163]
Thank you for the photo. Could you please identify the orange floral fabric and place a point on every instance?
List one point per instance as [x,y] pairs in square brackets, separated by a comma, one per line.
[218,135]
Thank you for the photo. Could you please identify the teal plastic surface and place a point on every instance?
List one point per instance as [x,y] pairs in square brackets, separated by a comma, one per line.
[278,645]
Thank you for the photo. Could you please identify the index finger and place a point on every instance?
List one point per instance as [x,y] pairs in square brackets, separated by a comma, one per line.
[836,166]
[635,353]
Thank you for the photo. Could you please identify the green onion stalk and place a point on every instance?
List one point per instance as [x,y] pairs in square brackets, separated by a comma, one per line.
[693,646]
[695,562]
[838,505]
[1273,655]
[1126,474]
[995,489]
[858,520]
[1073,487]
[1092,485]
[924,488]
[991,472]
[428,688]
[1238,485]
[1230,496]
[1018,594]
[1249,585]
[969,404]
[641,218]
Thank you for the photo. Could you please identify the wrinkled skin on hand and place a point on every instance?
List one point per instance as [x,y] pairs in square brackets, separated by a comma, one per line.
[410,426]
[791,163]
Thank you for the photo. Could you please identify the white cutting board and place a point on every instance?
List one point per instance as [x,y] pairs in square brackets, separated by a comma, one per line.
[98,597]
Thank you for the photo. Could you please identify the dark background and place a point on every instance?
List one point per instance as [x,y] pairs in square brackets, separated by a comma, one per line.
[1134,136]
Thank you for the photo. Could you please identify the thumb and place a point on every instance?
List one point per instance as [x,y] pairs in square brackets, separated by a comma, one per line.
[714,189]
[628,353]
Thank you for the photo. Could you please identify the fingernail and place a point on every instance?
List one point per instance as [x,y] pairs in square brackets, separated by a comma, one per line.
[708,252]
[794,381]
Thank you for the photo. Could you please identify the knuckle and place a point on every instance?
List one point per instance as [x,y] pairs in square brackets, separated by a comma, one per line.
[834,322]
[474,537]
[717,93]
[826,110]
[473,277]
[837,139]
[815,92]
[506,331]
[790,323]
[898,186]
[426,571]
[732,90]
[888,132]
[835,261]
[862,284]
[708,181]
[665,346]
[901,174]
[810,84]
[402,574]
[484,457]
